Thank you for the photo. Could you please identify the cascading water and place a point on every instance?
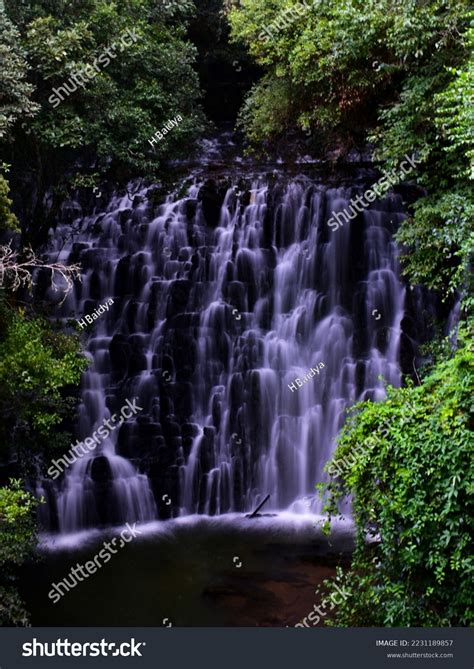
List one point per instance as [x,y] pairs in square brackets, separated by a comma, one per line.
[219,306]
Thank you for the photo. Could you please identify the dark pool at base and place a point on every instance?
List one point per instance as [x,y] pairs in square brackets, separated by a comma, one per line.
[204,573]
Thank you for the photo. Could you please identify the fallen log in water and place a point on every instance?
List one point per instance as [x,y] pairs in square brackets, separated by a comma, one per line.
[255,513]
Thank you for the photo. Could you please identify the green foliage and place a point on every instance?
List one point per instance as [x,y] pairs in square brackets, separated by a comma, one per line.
[135,90]
[37,366]
[8,220]
[440,241]
[265,110]
[455,112]
[399,73]
[18,532]
[12,610]
[17,524]
[15,91]
[341,58]
[434,116]
[407,463]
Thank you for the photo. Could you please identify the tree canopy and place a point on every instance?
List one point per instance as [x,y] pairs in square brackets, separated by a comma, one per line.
[397,73]
[127,92]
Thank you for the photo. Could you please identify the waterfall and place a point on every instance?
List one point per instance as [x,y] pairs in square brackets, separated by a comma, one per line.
[245,327]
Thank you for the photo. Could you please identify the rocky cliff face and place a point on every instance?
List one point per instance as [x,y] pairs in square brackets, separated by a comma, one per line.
[223,298]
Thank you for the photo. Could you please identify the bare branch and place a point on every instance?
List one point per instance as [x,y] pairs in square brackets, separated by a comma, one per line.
[20,273]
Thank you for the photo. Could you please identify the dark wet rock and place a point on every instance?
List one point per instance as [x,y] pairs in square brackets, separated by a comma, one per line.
[212,196]
[100,470]
[120,351]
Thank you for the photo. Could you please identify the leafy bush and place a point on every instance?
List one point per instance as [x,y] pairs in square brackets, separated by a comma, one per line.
[407,464]
[439,242]
[18,532]
[8,220]
[37,365]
